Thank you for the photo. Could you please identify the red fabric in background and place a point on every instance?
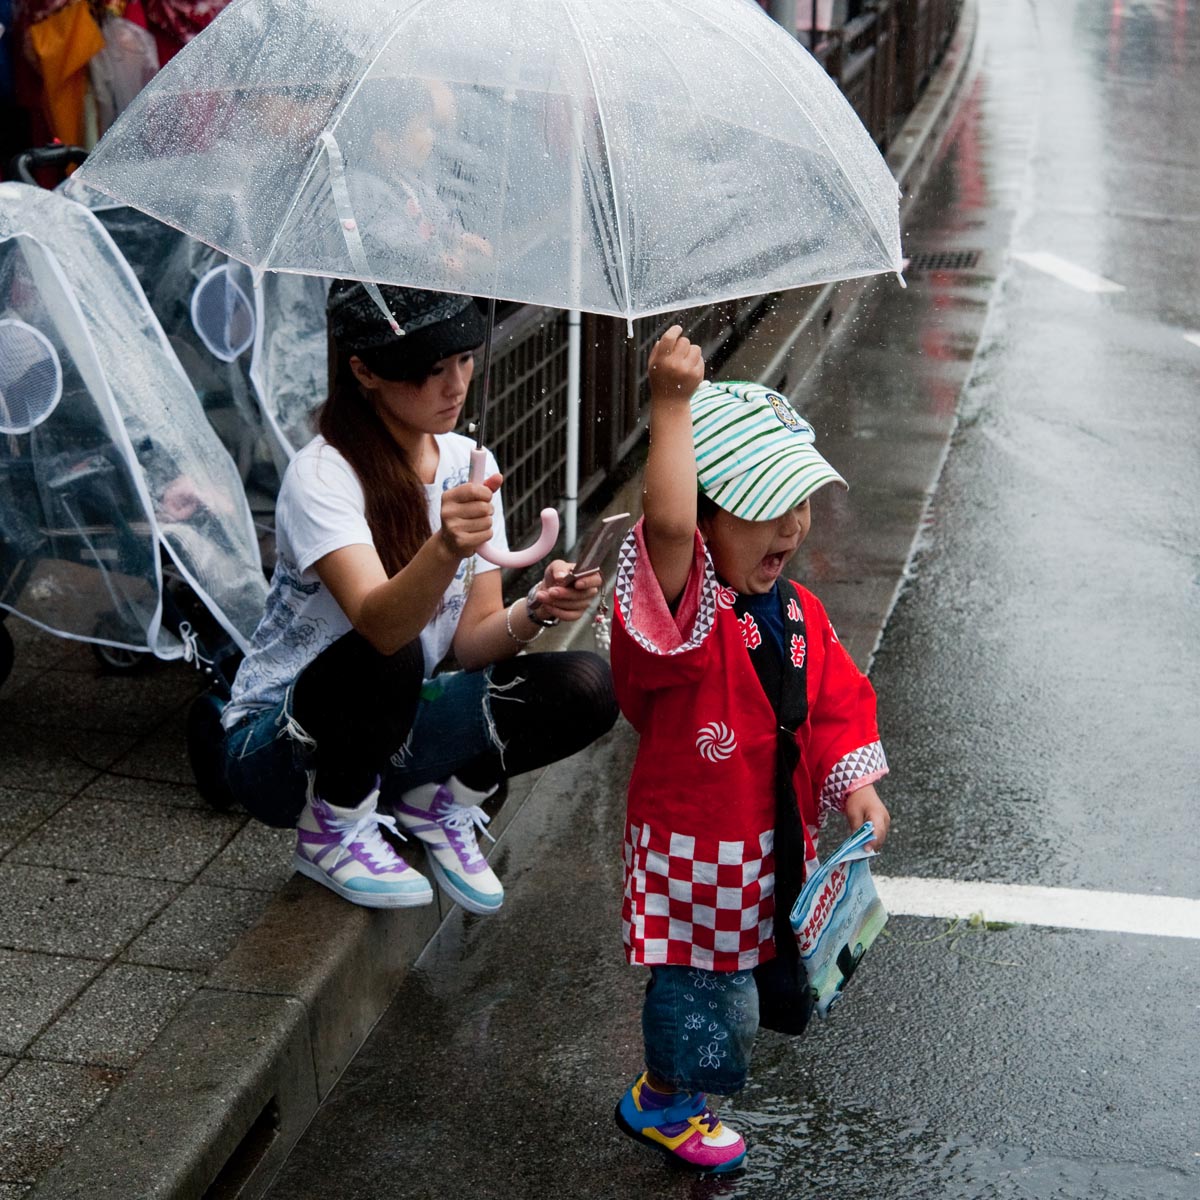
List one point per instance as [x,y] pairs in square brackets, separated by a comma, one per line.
[175,22]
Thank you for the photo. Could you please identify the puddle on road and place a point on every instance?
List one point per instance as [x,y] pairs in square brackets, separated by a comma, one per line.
[814,1150]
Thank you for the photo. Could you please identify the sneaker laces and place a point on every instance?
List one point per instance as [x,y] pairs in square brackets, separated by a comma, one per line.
[460,818]
[366,832]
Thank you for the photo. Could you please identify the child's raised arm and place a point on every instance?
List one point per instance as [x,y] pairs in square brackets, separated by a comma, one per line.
[669,490]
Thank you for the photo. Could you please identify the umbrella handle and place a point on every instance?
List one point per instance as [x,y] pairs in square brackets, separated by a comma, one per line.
[515,558]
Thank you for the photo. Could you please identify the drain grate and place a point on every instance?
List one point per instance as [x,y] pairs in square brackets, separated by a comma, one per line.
[942,260]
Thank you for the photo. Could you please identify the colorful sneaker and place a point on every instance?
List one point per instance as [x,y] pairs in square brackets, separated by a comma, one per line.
[343,849]
[682,1126]
[447,828]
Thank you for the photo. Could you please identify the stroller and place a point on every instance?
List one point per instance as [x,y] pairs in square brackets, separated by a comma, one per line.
[122,516]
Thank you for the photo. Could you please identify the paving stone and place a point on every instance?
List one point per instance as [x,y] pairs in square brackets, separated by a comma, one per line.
[151,841]
[53,760]
[114,1021]
[6,1065]
[115,785]
[18,678]
[198,928]
[161,754]
[22,811]
[259,857]
[75,913]
[14,1191]
[34,647]
[33,988]
[42,1106]
[111,703]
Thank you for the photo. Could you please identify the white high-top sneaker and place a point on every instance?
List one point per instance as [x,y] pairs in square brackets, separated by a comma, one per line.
[445,816]
[343,849]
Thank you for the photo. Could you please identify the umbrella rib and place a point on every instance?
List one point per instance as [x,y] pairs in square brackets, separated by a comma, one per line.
[379,53]
[796,99]
[621,250]
[319,144]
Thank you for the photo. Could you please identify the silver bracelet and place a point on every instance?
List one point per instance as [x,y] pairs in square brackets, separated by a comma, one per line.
[531,603]
[508,612]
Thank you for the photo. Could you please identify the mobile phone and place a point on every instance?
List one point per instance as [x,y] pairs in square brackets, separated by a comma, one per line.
[594,551]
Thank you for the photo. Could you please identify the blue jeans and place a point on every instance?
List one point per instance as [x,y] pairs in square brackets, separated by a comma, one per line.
[267,756]
[354,716]
[699,1027]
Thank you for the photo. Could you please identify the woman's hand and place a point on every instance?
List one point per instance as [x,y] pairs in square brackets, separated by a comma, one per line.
[467,516]
[568,602]
[864,805]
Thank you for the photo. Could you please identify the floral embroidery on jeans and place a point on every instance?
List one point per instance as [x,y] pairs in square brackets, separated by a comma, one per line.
[711,1055]
[693,1021]
[706,981]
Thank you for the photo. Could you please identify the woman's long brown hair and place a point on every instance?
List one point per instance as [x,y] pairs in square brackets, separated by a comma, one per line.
[397,511]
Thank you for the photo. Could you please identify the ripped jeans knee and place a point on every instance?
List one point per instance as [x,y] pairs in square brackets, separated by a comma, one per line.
[455,726]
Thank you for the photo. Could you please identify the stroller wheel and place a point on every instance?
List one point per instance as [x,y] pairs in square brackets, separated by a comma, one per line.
[204,742]
[6,653]
[117,661]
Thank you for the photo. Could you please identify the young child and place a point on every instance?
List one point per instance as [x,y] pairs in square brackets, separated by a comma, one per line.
[713,651]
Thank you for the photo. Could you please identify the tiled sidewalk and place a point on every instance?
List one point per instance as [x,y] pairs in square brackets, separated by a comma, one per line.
[121,889]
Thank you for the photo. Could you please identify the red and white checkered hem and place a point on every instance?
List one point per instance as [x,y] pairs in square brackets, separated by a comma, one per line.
[698,902]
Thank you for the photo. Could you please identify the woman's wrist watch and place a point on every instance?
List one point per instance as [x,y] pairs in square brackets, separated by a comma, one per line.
[531,607]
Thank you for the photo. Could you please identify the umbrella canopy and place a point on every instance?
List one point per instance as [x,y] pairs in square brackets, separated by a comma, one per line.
[626,157]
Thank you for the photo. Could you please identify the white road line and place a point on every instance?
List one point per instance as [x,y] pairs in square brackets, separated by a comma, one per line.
[1068,272]
[1194,338]
[1060,908]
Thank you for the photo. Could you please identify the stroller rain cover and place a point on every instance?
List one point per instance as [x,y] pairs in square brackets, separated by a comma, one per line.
[105,452]
[256,355]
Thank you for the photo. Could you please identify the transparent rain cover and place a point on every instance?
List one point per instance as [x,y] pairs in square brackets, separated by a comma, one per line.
[257,356]
[124,463]
[620,156]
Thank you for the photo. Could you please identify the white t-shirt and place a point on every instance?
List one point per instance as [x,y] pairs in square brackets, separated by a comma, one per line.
[321,508]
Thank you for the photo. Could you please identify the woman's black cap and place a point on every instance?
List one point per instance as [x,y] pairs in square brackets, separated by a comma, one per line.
[435,325]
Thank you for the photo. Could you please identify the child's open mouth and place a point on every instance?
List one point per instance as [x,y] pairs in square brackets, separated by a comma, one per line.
[772,564]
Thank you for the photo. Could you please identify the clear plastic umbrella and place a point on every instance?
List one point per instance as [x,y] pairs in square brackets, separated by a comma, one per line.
[105,454]
[627,157]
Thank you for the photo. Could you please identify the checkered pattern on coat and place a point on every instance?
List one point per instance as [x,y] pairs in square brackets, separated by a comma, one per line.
[698,902]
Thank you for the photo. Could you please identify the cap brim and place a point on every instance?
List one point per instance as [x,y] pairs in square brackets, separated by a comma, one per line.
[766,493]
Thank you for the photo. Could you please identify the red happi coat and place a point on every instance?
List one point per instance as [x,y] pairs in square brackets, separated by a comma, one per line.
[699,832]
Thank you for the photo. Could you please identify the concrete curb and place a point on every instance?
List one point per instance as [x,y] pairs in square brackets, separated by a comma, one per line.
[218,1101]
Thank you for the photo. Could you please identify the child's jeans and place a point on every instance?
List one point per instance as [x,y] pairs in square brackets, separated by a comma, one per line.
[699,1027]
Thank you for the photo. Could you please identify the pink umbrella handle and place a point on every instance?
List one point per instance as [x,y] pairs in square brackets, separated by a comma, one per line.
[515,558]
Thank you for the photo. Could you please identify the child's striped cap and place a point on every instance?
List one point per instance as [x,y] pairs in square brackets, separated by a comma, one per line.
[755,456]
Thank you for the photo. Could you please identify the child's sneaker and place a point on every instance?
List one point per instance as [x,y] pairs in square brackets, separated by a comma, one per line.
[447,827]
[682,1126]
[343,849]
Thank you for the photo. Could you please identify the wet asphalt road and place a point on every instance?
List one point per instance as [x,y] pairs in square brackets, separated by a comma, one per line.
[1040,705]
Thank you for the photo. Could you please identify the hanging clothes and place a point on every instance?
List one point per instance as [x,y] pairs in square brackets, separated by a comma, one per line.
[63,44]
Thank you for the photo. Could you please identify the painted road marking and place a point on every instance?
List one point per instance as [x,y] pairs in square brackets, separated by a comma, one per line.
[1068,272]
[1194,338]
[1060,908]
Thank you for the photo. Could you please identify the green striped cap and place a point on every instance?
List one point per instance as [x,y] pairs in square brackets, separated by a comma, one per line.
[755,456]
